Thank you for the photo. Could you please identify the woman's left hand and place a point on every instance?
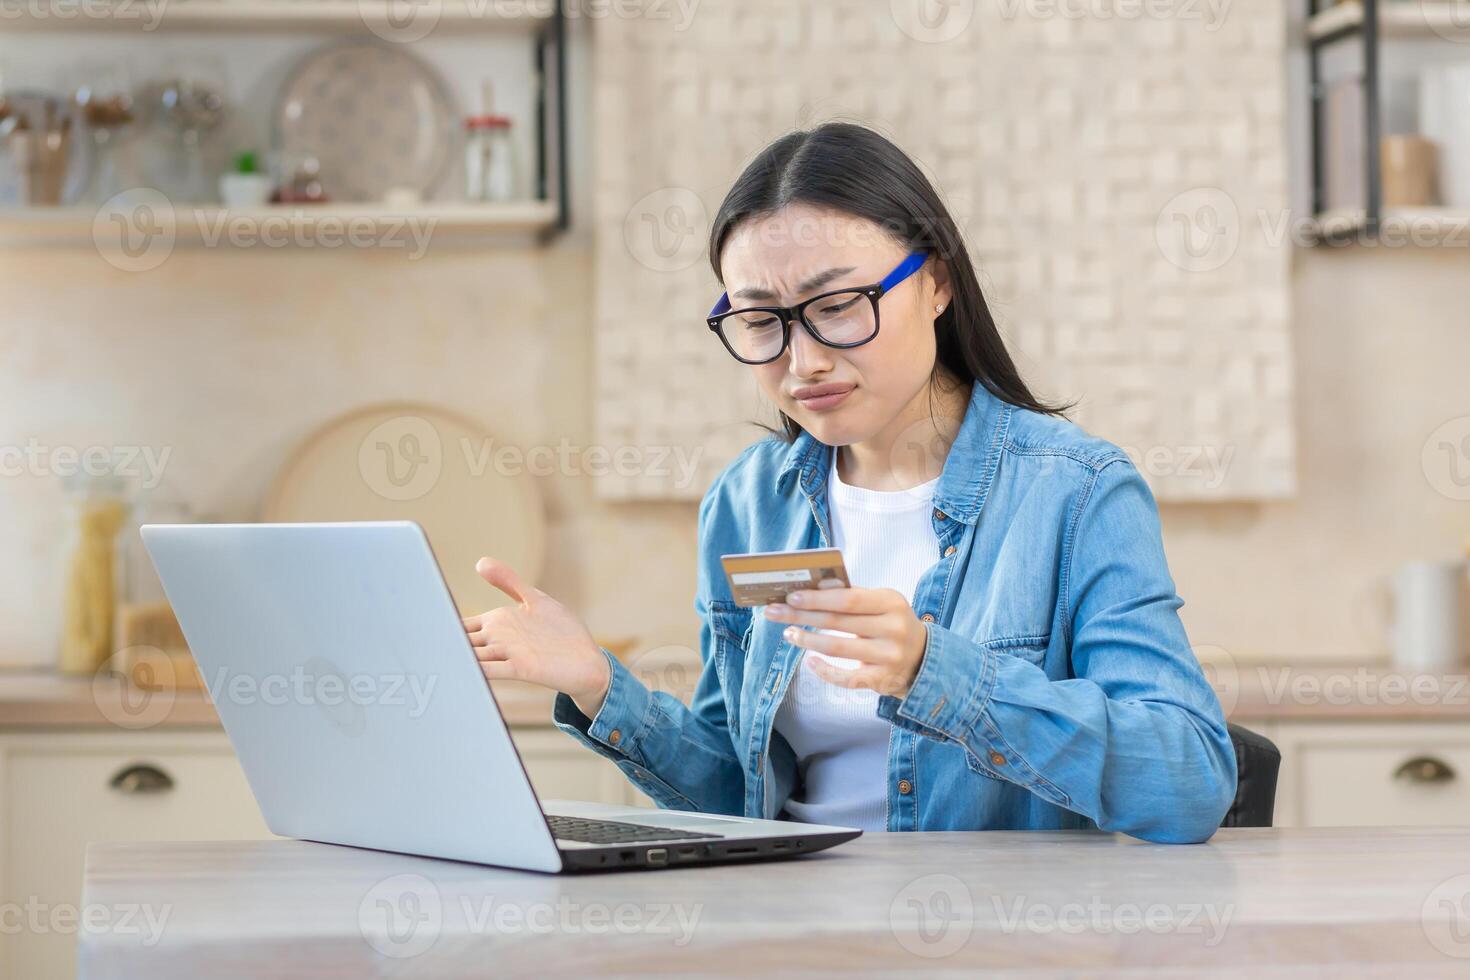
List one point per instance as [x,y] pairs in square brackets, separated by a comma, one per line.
[888,639]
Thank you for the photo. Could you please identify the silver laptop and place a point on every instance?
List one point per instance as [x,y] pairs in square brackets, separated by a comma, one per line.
[342,673]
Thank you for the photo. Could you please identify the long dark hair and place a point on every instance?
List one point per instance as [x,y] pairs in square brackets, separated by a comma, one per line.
[852,169]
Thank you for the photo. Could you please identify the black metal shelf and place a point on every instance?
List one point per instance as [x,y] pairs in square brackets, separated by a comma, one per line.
[552,44]
[1368,22]
[1366,29]
[545,28]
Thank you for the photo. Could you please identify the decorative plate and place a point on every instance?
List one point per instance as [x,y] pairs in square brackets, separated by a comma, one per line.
[374,116]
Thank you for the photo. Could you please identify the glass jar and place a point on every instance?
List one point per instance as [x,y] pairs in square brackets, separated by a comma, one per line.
[489,166]
[98,510]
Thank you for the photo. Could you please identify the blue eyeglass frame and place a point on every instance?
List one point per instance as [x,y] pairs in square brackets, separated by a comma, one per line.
[874,292]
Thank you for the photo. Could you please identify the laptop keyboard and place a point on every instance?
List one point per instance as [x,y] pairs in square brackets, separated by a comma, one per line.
[614,832]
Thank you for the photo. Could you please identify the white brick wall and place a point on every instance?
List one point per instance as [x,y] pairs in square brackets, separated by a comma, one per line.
[1116,179]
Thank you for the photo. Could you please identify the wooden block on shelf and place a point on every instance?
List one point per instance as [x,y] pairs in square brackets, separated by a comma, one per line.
[153,654]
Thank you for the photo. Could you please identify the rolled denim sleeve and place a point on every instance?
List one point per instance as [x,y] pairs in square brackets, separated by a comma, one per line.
[681,755]
[1135,740]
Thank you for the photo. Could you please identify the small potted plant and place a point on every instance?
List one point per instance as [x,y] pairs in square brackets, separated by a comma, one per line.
[245,186]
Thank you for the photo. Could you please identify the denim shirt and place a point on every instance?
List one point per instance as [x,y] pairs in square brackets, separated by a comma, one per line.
[1057,687]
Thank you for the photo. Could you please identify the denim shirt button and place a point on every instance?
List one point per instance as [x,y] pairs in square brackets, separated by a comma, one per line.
[927,617]
[615,737]
[996,759]
[905,787]
[940,515]
[949,551]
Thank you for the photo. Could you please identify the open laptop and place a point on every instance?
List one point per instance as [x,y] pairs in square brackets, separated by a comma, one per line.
[342,673]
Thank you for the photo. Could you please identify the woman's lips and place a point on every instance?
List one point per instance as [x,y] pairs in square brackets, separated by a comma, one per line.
[822,398]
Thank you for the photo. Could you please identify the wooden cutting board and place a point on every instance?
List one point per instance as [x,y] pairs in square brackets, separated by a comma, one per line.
[418,462]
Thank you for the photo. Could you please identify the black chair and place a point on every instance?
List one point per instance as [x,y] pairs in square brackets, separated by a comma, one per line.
[1257,762]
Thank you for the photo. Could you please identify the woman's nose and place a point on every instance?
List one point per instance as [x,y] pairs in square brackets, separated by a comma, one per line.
[808,358]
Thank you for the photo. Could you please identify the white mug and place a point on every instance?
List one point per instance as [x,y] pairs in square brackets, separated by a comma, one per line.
[1428,607]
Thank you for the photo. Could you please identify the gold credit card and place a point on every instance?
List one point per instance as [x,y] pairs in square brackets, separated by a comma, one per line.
[765,577]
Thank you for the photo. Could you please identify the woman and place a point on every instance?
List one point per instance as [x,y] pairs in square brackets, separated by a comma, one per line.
[1010,653]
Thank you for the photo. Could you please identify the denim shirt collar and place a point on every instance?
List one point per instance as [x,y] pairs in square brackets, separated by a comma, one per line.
[968,470]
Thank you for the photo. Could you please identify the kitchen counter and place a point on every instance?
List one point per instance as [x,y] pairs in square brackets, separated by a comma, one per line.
[1393,901]
[1249,692]
[45,700]
[1339,692]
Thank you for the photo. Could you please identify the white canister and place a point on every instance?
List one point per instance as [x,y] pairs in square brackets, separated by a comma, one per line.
[1444,117]
[1428,611]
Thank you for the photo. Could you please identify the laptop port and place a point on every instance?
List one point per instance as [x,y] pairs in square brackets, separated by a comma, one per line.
[686,852]
[779,845]
[735,851]
[626,856]
[658,855]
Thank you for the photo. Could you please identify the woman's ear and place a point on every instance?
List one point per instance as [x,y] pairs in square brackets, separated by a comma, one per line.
[942,287]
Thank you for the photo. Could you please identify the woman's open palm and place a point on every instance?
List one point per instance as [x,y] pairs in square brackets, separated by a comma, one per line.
[537,640]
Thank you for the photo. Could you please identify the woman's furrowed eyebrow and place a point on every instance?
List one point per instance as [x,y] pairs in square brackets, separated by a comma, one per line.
[809,285]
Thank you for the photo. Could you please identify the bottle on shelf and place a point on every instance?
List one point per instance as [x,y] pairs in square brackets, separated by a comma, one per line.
[490,166]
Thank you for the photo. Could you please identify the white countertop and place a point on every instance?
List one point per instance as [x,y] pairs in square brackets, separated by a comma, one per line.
[1349,902]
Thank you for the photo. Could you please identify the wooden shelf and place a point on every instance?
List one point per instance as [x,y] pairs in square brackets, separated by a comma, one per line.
[1421,227]
[336,16]
[269,226]
[1448,19]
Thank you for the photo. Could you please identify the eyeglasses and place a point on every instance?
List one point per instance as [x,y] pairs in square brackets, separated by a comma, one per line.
[842,318]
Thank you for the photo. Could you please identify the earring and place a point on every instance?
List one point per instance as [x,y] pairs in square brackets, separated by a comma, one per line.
[939,308]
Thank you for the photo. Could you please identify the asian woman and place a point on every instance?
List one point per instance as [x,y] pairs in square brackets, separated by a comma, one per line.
[1009,653]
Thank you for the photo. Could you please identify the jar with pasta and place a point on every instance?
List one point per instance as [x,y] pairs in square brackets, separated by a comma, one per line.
[98,510]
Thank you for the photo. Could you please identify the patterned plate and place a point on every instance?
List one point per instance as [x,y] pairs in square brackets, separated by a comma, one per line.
[374,116]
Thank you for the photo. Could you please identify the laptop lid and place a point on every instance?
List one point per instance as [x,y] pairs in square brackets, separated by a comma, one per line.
[340,669]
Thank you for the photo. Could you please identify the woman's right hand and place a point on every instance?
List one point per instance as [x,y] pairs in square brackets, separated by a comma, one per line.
[537,640]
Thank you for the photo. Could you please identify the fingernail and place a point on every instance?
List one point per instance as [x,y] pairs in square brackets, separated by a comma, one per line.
[775,610]
[795,598]
[789,632]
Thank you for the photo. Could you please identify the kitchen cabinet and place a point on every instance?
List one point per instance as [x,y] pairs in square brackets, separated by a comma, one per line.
[61,790]
[1371,773]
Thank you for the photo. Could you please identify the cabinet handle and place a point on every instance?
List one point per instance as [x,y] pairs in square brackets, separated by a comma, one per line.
[137,780]
[1425,769]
